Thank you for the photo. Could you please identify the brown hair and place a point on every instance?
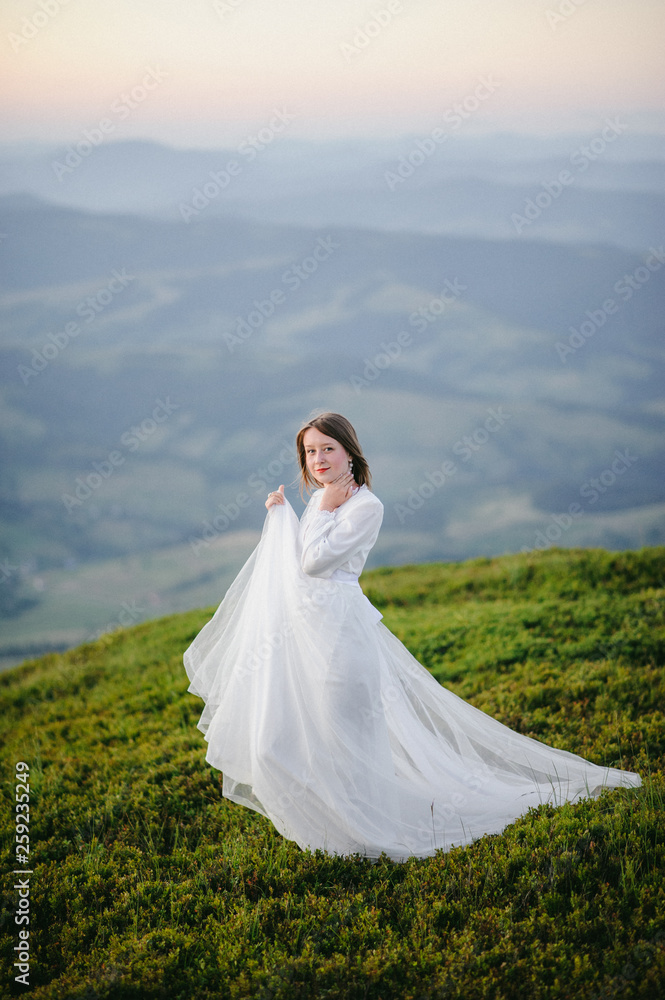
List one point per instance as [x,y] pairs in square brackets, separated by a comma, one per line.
[336,426]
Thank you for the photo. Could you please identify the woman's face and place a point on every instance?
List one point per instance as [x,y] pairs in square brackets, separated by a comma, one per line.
[326,458]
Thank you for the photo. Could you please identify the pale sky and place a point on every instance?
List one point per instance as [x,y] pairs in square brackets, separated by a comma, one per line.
[207,72]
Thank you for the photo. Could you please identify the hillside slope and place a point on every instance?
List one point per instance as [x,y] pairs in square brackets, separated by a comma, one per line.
[147,883]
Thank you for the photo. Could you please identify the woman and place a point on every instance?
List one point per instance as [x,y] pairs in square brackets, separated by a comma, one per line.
[321,720]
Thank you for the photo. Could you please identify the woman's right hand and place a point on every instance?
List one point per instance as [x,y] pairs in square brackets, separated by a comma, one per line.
[275,498]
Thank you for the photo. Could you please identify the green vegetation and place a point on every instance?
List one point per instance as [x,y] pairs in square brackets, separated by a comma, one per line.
[147,883]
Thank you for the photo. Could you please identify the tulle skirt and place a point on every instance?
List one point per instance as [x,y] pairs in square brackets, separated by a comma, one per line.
[321,720]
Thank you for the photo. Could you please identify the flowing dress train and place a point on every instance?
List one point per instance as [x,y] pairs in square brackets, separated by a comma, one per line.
[321,720]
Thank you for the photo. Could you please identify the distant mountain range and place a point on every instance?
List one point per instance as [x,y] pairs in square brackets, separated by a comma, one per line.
[508,388]
[473,186]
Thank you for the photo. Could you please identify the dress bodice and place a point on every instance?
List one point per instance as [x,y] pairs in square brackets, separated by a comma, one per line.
[335,544]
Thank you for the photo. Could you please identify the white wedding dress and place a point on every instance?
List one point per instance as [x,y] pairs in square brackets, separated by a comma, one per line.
[321,720]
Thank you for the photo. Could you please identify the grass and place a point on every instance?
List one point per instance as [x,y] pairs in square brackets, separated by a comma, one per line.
[147,883]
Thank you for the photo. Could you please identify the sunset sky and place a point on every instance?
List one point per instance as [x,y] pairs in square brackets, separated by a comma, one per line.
[217,69]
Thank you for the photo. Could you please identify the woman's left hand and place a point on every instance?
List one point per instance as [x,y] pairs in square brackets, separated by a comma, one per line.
[335,494]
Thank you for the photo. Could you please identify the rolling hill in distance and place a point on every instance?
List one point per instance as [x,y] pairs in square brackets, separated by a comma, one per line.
[507,386]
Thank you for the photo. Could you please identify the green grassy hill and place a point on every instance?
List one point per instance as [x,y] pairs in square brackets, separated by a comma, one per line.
[146,883]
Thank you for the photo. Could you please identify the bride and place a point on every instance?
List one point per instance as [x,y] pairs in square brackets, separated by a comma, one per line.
[319,717]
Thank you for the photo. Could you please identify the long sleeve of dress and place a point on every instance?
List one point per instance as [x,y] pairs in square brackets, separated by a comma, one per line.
[340,539]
